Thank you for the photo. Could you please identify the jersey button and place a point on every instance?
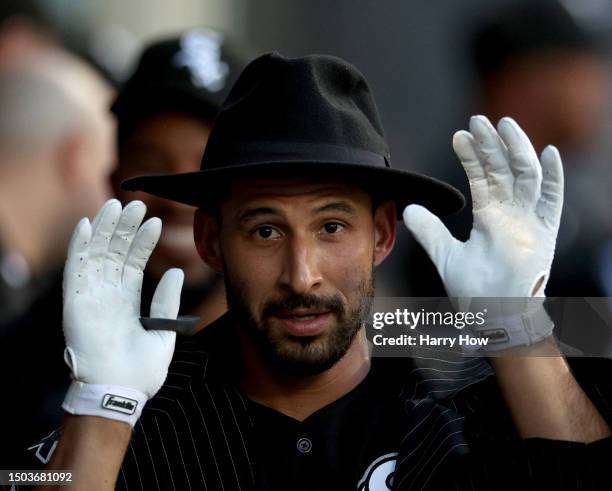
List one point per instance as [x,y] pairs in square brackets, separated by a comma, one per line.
[304,445]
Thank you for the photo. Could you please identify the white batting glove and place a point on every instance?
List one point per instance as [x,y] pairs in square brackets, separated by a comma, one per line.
[116,364]
[517,210]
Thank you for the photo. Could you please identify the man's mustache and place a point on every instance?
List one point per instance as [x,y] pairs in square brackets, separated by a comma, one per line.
[295,301]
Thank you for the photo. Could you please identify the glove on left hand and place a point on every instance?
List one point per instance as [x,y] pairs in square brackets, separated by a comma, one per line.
[517,209]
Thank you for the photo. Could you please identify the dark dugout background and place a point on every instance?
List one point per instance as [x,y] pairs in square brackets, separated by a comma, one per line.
[416,58]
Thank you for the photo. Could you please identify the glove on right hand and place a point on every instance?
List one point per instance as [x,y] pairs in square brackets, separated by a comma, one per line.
[109,352]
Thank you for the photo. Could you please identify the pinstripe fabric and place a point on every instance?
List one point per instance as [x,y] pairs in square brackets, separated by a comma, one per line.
[196,432]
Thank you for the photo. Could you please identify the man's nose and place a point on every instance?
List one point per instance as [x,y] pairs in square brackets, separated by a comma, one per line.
[301,273]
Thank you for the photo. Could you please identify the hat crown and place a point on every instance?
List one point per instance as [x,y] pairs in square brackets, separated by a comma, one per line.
[310,117]
[318,99]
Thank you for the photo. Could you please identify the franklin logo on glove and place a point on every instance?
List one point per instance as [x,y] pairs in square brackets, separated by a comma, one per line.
[118,403]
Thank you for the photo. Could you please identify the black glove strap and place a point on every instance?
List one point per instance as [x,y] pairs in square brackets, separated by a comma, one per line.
[184,325]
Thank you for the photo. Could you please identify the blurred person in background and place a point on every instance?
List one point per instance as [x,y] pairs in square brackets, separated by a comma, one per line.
[56,149]
[57,152]
[164,114]
[536,64]
[24,32]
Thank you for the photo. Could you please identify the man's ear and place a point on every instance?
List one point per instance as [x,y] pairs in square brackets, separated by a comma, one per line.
[71,155]
[385,228]
[206,232]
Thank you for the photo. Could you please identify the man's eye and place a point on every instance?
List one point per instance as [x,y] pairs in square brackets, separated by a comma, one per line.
[333,227]
[267,232]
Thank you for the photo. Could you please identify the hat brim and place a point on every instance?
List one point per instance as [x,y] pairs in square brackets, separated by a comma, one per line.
[201,188]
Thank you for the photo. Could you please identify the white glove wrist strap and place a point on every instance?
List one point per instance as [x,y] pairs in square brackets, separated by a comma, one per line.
[516,330]
[106,401]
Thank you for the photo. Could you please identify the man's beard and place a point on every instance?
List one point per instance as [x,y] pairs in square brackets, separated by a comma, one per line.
[301,356]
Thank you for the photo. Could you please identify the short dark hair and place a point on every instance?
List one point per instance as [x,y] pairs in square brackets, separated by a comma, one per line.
[524,29]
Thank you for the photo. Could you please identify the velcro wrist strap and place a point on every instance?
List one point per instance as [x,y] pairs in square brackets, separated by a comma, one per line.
[515,331]
[106,401]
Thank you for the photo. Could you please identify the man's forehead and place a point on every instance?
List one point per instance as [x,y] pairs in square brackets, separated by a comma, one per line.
[261,188]
[281,195]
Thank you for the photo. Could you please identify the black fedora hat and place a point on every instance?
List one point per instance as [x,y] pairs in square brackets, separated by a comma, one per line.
[311,117]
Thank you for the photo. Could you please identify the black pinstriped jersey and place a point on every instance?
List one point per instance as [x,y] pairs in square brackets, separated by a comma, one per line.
[200,431]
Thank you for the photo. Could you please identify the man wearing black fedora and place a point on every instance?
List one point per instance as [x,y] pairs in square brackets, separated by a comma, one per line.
[296,208]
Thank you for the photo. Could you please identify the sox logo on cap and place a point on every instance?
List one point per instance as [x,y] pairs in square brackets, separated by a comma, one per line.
[201,54]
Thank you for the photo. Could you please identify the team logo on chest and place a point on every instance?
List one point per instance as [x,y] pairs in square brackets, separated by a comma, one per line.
[379,474]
